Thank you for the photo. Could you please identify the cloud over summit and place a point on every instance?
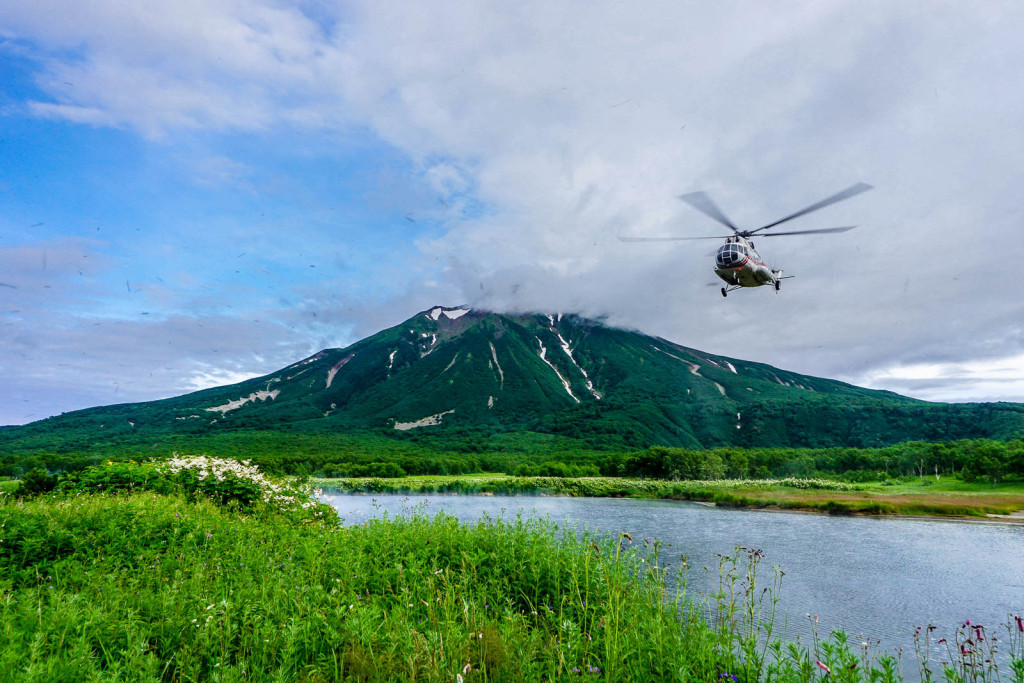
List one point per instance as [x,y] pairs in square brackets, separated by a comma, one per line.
[367,157]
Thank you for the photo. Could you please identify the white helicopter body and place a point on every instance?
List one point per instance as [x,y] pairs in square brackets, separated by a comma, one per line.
[736,261]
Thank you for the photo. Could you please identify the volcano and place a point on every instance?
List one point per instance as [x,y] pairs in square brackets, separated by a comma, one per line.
[450,368]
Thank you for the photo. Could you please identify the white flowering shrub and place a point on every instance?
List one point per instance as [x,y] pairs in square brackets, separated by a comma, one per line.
[228,482]
[239,482]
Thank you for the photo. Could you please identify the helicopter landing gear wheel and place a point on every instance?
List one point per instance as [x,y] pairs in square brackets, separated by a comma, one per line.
[725,292]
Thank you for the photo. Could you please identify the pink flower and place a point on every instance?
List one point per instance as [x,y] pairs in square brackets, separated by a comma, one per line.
[823,667]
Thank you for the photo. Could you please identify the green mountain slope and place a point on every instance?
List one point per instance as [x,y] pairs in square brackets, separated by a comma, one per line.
[450,372]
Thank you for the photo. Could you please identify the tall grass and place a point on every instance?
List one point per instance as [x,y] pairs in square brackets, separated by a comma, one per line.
[154,587]
[146,586]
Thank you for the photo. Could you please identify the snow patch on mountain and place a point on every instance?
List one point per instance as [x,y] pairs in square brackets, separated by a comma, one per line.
[433,342]
[429,421]
[451,313]
[334,369]
[501,373]
[449,367]
[315,357]
[695,369]
[565,383]
[238,403]
[568,351]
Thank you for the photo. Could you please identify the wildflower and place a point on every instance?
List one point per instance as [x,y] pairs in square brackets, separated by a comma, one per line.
[823,667]
[1020,624]
[466,669]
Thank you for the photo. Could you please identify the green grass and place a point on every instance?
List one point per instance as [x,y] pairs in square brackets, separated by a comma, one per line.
[153,587]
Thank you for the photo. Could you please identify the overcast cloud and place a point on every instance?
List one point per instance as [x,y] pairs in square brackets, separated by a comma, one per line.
[195,193]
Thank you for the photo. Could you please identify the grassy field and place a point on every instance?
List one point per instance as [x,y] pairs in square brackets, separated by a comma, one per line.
[150,587]
[947,498]
[205,570]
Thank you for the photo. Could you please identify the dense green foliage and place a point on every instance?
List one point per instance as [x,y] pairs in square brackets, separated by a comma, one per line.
[970,459]
[368,455]
[149,587]
[145,586]
[35,482]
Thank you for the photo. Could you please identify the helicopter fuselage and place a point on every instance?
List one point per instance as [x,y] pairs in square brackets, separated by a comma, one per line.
[739,264]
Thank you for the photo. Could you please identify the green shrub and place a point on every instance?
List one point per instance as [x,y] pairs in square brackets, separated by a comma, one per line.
[35,482]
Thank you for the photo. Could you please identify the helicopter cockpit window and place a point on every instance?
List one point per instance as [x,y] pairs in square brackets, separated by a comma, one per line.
[730,254]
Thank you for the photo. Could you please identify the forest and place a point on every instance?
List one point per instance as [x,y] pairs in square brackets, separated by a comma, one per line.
[467,451]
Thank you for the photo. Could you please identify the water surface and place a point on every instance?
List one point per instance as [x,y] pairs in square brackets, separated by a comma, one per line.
[874,577]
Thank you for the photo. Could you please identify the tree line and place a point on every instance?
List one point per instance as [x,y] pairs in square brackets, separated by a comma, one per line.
[969,459]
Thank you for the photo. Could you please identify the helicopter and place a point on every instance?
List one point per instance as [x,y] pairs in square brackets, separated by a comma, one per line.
[736,261]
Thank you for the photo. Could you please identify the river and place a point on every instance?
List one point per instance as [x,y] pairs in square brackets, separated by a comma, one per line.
[876,578]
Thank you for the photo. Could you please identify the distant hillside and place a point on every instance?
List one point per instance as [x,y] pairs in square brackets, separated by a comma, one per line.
[447,372]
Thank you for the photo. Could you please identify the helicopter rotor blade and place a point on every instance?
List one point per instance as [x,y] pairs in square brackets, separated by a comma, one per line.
[807,232]
[849,192]
[702,202]
[671,239]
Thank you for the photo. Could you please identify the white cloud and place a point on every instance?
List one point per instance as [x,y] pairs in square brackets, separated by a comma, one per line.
[975,380]
[552,127]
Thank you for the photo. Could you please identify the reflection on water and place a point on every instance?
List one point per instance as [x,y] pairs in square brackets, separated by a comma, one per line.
[875,578]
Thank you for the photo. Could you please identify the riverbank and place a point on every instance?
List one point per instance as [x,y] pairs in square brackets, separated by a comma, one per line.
[921,497]
[202,569]
[152,587]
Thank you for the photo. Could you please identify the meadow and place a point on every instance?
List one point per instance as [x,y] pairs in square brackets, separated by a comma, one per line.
[209,571]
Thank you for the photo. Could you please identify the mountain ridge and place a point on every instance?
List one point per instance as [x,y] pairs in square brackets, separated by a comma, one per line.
[452,368]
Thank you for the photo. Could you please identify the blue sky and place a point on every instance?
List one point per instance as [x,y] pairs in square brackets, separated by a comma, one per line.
[203,192]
